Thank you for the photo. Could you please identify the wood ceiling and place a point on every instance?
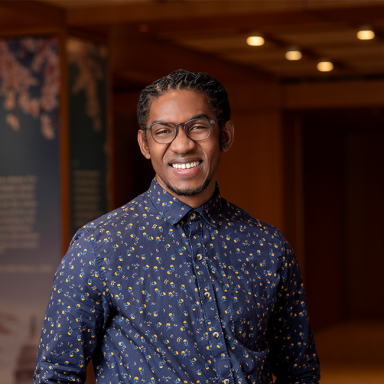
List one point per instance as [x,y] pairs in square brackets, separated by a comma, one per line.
[208,35]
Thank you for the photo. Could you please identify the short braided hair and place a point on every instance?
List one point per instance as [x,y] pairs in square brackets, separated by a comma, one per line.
[211,88]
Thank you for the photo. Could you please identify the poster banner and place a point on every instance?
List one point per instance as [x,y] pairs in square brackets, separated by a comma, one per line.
[88,107]
[30,233]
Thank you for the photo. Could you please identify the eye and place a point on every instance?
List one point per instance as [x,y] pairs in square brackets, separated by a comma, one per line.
[199,125]
[196,127]
[162,130]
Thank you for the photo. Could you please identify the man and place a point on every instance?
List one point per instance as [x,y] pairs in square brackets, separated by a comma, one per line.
[179,285]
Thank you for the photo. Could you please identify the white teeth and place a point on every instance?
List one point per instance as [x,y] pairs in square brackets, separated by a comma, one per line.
[186,165]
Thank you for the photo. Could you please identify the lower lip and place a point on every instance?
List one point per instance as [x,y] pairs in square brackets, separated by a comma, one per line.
[186,171]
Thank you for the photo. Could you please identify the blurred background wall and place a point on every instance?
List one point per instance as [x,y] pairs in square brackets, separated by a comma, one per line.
[308,104]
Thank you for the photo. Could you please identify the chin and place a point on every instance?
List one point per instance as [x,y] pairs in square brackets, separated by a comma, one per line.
[189,191]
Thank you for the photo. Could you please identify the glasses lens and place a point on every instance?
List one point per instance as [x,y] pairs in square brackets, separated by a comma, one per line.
[198,129]
[163,133]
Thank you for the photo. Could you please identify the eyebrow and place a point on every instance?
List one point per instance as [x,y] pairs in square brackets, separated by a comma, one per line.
[198,116]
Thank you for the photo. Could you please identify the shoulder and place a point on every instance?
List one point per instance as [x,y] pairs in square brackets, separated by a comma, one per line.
[106,227]
[243,222]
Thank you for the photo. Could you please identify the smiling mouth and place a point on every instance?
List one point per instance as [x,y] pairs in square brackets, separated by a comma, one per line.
[193,164]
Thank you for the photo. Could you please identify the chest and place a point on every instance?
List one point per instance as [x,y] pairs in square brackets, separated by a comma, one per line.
[164,274]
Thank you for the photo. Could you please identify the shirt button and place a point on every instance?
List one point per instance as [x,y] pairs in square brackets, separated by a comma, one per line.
[216,335]
[199,257]
[226,381]
[193,215]
[207,295]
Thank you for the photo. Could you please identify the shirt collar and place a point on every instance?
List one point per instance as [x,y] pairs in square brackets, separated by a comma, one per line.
[174,210]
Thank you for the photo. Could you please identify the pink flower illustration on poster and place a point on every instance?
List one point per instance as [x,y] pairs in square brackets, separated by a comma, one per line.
[30,81]
[81,54]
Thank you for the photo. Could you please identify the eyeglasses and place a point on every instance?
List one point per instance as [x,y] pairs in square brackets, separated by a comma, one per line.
[195,129]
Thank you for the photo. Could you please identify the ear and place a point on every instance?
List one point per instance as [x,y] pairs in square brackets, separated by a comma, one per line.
[227,136]
[142,140]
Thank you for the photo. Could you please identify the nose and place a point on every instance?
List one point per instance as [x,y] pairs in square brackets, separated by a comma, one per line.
[182,143]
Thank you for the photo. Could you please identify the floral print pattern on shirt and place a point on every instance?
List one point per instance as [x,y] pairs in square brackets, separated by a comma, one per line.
[158,292]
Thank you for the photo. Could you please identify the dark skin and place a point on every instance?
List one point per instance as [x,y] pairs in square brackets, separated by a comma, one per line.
[194,185]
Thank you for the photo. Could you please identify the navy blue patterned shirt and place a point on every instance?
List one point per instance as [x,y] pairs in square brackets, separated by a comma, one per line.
[159,292]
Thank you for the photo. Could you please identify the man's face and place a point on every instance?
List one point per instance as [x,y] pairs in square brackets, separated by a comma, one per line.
[196,184]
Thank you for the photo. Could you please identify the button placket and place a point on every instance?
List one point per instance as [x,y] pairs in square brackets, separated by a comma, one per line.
[207,295]
[208,302]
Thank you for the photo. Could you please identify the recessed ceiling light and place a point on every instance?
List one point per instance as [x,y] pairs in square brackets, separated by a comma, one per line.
[365,33]
[324,66]
[293,53]
[255,40]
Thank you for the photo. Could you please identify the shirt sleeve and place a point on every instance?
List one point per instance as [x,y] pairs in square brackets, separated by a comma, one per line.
[76,313]
[293,354]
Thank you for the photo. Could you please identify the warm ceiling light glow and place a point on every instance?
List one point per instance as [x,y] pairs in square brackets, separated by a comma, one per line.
[365,33]
[293,53]
[325,66]
[255,40]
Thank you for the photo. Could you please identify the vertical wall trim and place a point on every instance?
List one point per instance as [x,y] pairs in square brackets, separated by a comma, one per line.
[64,144]
[299,194]
[110,138]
